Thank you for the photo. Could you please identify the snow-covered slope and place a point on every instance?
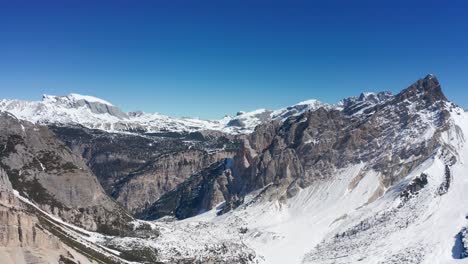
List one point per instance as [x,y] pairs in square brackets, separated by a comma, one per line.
[73,98]
[96,113]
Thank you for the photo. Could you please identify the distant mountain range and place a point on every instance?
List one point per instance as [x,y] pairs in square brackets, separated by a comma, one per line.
[96,113]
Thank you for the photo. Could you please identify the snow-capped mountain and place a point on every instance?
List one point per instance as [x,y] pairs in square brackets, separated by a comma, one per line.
[96,113]
[377,178]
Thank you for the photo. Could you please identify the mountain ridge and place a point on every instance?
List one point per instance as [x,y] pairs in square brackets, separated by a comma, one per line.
[97,113]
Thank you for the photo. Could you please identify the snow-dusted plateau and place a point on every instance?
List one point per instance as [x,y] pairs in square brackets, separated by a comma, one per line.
[377,178]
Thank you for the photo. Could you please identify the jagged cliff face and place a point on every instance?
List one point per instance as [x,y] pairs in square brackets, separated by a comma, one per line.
[161,176]
[199,193]
[22,238]
[135,169]
[43,169]
[379,131]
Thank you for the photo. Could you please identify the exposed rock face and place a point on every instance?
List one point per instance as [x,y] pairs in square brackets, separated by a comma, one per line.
[445,185]
[311,146]
[44,170]
[378,130]
[199,193]
[22,240]
[139,191]
[413,188]
[138,169]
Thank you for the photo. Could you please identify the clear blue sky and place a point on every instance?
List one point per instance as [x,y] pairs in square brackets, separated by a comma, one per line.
[210,58]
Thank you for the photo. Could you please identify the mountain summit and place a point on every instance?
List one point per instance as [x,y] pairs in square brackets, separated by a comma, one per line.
[76,101]
[427,89]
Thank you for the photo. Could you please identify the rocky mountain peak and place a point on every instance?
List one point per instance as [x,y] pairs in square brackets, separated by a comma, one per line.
[95,105]
[427,89]
[423,93]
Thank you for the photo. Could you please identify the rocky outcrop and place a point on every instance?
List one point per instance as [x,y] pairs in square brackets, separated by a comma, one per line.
[445,185]
[48,173]
[22,239]
[413,188]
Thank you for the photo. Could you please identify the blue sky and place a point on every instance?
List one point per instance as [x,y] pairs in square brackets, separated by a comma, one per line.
[210,58]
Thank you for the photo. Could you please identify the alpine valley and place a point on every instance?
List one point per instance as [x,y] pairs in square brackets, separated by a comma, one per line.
[377,178]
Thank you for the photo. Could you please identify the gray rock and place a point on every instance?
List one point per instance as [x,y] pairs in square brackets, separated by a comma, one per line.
[137,169]
[44,170]
[294,154]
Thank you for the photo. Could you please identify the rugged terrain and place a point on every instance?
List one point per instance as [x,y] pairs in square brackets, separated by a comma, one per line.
[377,178]
[42,168]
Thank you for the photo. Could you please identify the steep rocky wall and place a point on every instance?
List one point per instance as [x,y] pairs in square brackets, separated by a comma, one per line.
[137,169]
[140,191]
[199,193]
[312,146]
[43,169]
[22,239]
